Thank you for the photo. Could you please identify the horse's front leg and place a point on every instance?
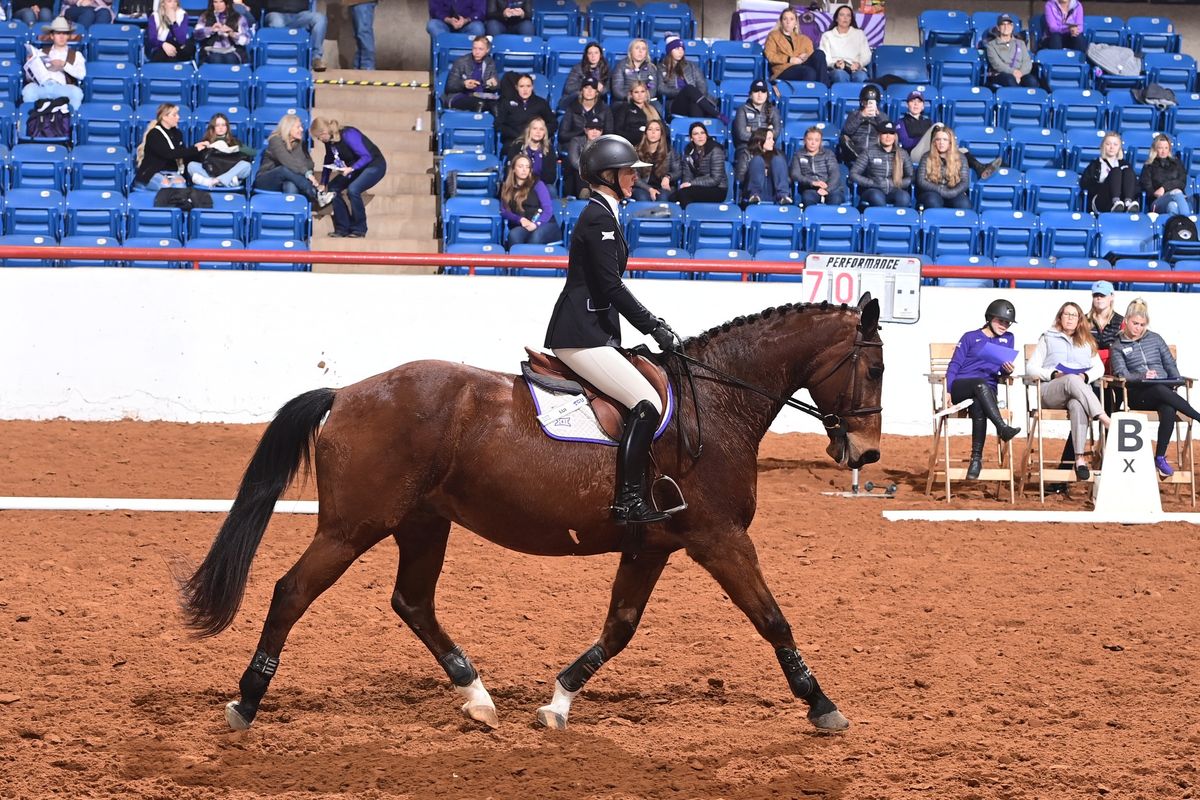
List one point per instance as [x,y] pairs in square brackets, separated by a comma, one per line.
[631,590]
[734,563]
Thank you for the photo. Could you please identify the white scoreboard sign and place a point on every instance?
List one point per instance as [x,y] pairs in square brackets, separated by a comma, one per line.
[844,277]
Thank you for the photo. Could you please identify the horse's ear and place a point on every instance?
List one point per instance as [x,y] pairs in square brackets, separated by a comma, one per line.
[870,315]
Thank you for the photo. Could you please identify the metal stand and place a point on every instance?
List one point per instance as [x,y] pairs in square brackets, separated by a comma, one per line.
[886,492]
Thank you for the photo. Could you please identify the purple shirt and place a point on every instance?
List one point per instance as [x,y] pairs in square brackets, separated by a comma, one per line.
[1057,22]
[543,195]
[471,9]
[967,361]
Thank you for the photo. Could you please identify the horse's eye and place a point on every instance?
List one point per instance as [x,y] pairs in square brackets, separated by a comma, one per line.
[875,373]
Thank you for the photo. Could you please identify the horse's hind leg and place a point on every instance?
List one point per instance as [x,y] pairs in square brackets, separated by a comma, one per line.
[735,566]
[326,558]
[422,551]
[635,580]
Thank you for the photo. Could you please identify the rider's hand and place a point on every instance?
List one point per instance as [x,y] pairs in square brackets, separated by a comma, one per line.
[664,337]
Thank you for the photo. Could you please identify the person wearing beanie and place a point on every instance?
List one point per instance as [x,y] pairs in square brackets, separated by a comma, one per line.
[683,85]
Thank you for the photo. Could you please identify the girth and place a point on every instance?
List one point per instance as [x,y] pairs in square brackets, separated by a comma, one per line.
[551,373]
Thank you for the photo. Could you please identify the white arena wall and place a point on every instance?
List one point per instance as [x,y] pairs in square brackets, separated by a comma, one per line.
[187,346]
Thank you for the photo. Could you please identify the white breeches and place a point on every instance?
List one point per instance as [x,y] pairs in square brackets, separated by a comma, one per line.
[611,373]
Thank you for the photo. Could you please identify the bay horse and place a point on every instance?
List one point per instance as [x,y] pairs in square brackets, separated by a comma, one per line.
[429,443]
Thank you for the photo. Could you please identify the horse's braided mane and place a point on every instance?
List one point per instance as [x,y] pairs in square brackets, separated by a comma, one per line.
[760,316]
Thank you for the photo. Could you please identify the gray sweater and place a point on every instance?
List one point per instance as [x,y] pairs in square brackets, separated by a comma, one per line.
[278,155]
[624,76]
[750,118]
[924,184]
[823,166]
[1006,56]
[667,82]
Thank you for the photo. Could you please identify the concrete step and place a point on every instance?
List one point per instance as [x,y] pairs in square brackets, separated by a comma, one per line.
[383,99]
[404,179]
[401,226]
[417,207]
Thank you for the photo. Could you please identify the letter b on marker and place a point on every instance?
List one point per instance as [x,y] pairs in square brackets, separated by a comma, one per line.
[1129,435]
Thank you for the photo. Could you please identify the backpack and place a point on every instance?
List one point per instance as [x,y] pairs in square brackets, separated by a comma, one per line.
[187,199]
[1114,59]
[49,119]
[1152,94]
[1180,238]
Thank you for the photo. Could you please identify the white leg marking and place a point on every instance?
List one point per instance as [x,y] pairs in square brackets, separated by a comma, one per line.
[554,716]
[479,705]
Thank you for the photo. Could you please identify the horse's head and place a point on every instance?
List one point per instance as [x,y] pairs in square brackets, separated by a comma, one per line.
[847,386]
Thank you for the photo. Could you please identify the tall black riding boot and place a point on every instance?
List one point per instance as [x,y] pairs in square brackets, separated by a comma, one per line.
[978,436]
[633,456]
[991,409]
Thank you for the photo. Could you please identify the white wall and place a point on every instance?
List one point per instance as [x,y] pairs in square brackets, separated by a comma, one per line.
[186,346]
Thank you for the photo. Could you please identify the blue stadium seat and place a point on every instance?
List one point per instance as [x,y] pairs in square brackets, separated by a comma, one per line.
[1022,261]
[793,138]
[1079,108]
[962,260]
[278,266]
[950,232]
[116,43]
[968,105]
[1184,118]
[20,124]
[224,84]
[663,254]
[888,230]
[771,228]
[105,124]
[1175,250]
[281,216]
[1068,234]
[166,83]
[557,18]
[450,46]
[832,229]
[284,47]
[36,212]
[471,220]
[843,98]
[1053,190]
[1126,114]
[39,166]
[475,248]
[737,61]
[1009,233]
[651,224]
[1063,69]
[616,48]
[1175,71]
[1109,83]
[563,53]
[216,243]
[613,18]
[1037,148]
[515,53]
[1021,105]
[712,225]
[985,143]
[111,82]
[468,131]
[1137,148]
[571,209]
[27,240]
[1083,147]
[902,61]
[100,167]
[154,243]
[895,99]
[11,79]
[952,65]
[1005,189]
[794,257]
[8,123]
[1150,266]
[1125,236]
[718,254]
[475,174]
[937,27]
[87,240]
[225,220]
[14,34]
[663,19]
[803,104]
[1188,266]
[1102,29]
[277,86]
[145,220]
[983,22]
[1091,264]
[538,250]
[1152,35]
[91,212]
[732,94]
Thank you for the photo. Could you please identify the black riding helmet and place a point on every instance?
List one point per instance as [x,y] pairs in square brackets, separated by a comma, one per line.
[609,151]
[1001,309]
[869,92]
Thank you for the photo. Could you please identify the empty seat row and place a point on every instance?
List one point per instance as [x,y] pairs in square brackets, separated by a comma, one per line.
[1142,33]
[173,246]
[613,18]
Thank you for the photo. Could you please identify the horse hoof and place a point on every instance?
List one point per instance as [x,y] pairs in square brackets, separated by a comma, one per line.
[235,718]
[832,721]
[551,719]
[482,713]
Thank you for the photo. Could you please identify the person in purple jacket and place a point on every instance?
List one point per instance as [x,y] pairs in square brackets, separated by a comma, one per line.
[353,164]
[973,375]
[168,37]
[456,16]
[527,206]
[1064,26]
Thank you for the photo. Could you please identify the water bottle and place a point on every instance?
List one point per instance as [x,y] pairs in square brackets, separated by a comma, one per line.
[420,124]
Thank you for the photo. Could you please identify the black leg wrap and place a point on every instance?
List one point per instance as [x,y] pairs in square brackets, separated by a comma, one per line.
[458,667]
[575,676]
[264,664]
[799,676]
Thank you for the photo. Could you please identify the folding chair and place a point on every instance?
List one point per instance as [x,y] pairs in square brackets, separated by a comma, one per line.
[943,468]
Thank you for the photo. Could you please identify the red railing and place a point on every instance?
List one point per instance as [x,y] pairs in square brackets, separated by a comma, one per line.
[473,261]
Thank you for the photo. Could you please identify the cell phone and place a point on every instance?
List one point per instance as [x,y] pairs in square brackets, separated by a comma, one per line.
[872,105]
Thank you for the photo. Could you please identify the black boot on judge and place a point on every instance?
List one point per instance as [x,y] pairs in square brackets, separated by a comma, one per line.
[633,456]
[991,409]
[978,435]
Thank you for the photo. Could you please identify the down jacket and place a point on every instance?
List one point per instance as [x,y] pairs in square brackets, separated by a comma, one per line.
[873,169]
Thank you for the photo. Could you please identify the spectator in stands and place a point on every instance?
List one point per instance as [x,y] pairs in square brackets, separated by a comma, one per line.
[362,19]
[683,85]
[168,37]
[860,130]
[1164,179]
[573,184]
[352,165]
[1109,179]
[984,171]
[588,106]
[791,55]
[757,113]
[455,16]
[1008,57]
[847,52]
[473,83]
[286,165]
[222,33]
[631,118]
[637,66]
[816,171]
[913,126]
[87,12]
[884,172]
[1066,361]
[296,14]
[1141,357]
[943,178]
[55,69]
[1064,26]
[535,144]
[226,161]
[509,16]
[527,206]
[514,113]
[654,182]
[762,171]
[974,373]
[592,65]
[702,177]
[162,152]
[32,12]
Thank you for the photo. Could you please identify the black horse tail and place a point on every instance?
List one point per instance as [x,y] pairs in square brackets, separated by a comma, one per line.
[212,596]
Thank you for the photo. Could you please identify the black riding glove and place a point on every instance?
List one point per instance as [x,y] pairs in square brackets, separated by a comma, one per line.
[664,337]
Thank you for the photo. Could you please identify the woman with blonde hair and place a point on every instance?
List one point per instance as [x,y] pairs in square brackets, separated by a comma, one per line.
[791,55]
[1067,360]
[631,118]
[943,179]
[884,172]
[1109,180]
[353,164]
[527,207]
[168,37]
[535,143]
[655,181]
[286,165]
[162,153]
[1164,179]
[636,66]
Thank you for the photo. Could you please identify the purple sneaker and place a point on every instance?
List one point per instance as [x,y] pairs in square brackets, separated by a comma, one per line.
[1163,466]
